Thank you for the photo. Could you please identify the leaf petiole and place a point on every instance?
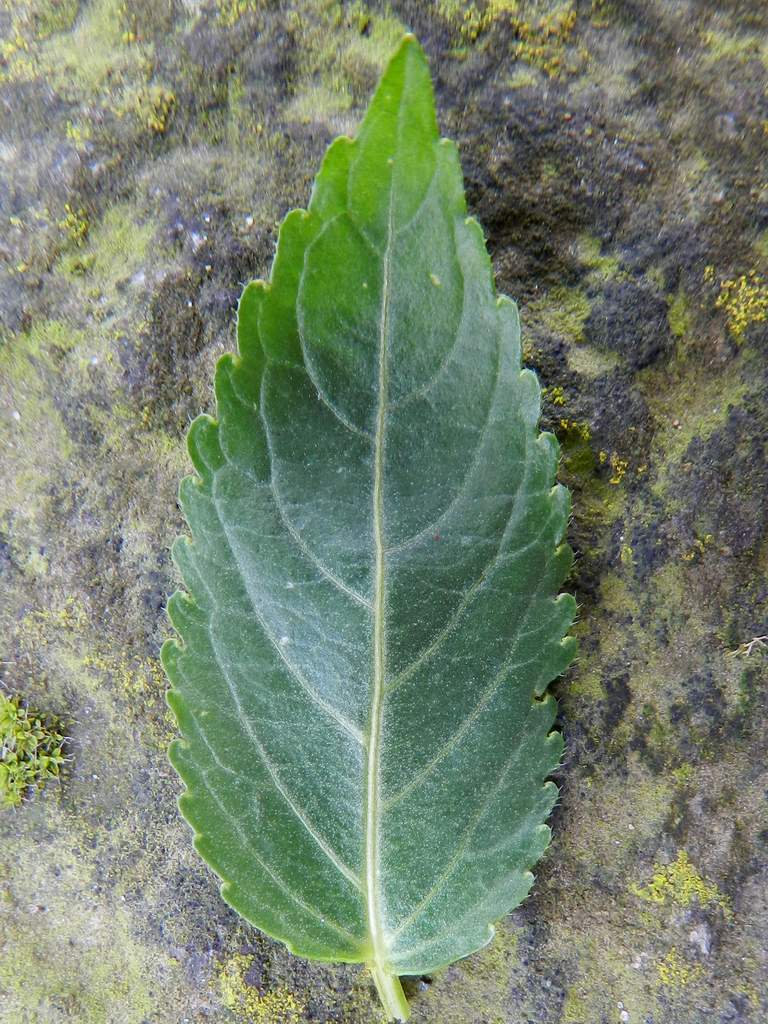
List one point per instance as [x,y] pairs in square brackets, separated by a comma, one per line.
[390,992]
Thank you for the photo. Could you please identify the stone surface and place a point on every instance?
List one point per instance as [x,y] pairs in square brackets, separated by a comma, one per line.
[615,154]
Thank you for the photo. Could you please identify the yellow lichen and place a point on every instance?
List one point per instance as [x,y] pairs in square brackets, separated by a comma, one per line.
[360,16]
[140,679]
[680,883]
[41,20]
[16,62]
[277,1006]
[740,47]
[674,972]
[539,39]
[231,11]
[683,775]
[572,429]
[130,23]
[154,106]
[75,223]
[473,19]
[541,42]
[37,625]
[699,546]
[618,466]
[78,133]
[744,300]
[598,14]
[555,395]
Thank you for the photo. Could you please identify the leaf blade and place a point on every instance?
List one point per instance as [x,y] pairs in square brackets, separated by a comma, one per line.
[373,522]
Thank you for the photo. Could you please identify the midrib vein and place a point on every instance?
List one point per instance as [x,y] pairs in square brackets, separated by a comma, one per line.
[379,633]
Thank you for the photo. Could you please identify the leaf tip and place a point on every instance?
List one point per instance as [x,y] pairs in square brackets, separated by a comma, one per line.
[407,82]
[410,44]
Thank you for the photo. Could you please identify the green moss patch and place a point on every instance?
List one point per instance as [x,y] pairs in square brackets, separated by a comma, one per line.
[31,750]
[562,310]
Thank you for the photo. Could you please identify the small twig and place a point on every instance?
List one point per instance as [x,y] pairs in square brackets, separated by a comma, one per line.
[745,649]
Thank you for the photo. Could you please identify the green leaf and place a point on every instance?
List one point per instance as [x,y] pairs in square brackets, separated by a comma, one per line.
[371,618]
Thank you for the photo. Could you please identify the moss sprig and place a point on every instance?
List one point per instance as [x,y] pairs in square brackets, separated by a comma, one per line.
[31,750]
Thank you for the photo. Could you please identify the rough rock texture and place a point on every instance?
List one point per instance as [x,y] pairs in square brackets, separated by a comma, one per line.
[615,153]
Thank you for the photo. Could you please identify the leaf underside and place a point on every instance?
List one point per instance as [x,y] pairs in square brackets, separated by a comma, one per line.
[371,616]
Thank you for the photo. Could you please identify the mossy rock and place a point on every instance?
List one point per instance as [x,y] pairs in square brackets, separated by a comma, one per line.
[615,158]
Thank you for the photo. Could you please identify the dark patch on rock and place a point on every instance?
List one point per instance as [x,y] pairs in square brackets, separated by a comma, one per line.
[706,701]
[650,545]
[551,366]
[159,364]
[630,319]
[8,566]
[619,697]
[618,415]
[723,492]
[648,739]
[155,592]
[678,250]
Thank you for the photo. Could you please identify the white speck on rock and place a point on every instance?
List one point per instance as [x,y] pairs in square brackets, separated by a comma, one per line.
[701,937]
